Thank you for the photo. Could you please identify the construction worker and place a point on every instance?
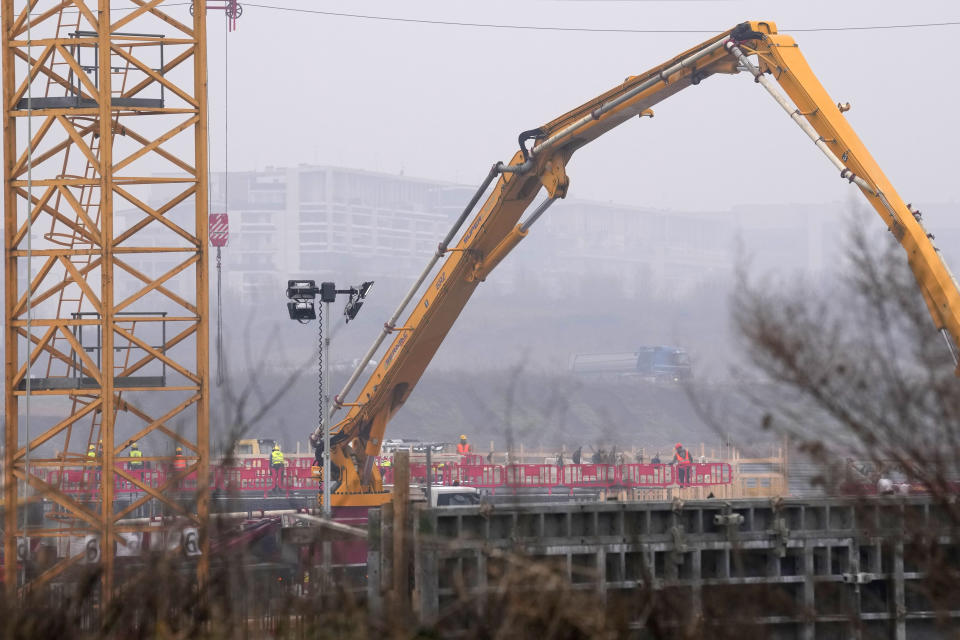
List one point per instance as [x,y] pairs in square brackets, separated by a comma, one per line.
[681,458]
[656,458]
[179,462]
[92,451]
[136,462]
[276,465]
[463,447]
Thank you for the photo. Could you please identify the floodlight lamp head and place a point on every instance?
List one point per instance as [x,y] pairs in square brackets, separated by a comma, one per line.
[352,308]
[302,312]
[301,289]
[357,294]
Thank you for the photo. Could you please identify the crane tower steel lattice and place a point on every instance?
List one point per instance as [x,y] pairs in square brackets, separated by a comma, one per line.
[105,236]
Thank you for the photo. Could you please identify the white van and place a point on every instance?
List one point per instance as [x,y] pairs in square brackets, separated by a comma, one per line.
[453,496]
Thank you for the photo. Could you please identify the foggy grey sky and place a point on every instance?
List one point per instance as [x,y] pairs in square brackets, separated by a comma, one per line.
[444,102]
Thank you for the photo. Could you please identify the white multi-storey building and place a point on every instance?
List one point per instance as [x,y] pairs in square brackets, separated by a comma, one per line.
[329,223]
[324,222]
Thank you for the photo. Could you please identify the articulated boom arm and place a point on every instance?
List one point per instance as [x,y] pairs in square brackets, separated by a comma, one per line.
[497,228]
[779,58]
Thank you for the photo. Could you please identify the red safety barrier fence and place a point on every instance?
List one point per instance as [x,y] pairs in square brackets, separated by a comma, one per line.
[532,475]
[188,483]
[298,479]
[301,462]
[589,475]
[483,476]
[88,480]
[254,476]
[418,471]
[255,463]
[153,478]
[252,480]
[710,473]
[230,478]
[646,475]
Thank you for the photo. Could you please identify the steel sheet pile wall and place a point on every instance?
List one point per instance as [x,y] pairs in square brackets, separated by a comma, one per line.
[835,568]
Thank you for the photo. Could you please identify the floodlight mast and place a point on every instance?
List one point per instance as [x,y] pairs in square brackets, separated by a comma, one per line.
[302,294]
[324,409]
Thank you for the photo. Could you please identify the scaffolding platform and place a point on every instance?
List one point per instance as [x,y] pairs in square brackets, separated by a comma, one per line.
[58,383]
[71,102]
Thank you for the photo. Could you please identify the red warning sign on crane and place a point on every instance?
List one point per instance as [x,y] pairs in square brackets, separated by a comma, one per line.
[219,229]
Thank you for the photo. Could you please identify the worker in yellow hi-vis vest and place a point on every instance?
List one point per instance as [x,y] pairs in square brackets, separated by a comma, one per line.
[276,466]
[136,457]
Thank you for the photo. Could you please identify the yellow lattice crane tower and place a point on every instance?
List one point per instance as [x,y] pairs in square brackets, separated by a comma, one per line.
[105,236]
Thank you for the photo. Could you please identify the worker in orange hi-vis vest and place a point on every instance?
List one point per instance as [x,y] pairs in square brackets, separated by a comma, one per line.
[179,462]
[463,447]
[682,459]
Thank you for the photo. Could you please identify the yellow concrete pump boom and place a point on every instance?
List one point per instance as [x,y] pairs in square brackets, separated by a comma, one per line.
[754,47]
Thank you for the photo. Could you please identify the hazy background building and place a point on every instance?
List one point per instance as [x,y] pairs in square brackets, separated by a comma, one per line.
[327,222]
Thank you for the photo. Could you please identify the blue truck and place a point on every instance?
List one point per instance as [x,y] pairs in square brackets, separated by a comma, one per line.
[654,363]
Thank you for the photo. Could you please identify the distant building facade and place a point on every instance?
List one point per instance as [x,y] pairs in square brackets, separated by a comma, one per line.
[325,222]
[329,223]
[332,222]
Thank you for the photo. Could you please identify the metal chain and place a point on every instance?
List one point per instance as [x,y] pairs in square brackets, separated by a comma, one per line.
[226,188]
[219,323]
[320,369]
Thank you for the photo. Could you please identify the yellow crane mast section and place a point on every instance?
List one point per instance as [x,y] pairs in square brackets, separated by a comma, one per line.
[753,47]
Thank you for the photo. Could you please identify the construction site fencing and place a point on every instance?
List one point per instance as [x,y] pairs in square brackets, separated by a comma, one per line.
[711,473]
[257,477]
[543,476]
[418,473]
[646,475]
[481,476]
[244,479]
[574,476]
[590,475]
